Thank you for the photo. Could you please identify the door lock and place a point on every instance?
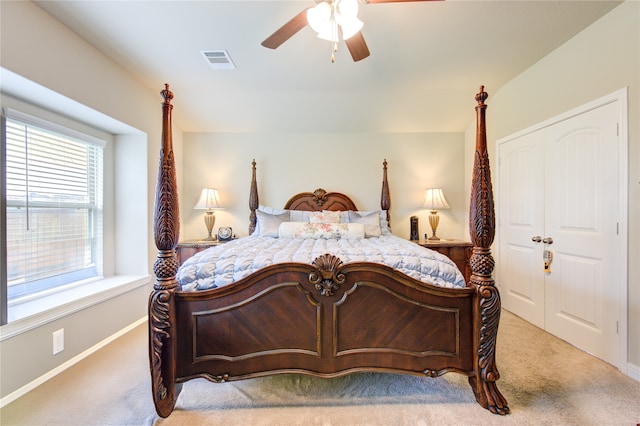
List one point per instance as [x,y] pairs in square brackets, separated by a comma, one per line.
[548,258]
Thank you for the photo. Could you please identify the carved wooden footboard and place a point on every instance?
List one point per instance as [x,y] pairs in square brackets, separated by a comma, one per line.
[325,319]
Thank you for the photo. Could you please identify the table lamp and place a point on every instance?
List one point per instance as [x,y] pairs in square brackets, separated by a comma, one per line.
[209,200]
[434,200]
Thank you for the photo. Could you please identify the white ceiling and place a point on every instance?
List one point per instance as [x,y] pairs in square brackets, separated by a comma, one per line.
[427,59]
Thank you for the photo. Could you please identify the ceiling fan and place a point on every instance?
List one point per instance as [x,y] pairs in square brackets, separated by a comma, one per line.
[332,20]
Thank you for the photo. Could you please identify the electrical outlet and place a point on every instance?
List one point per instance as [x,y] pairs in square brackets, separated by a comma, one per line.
[58,341]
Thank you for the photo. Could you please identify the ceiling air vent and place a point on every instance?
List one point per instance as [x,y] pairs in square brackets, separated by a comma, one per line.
[219,59]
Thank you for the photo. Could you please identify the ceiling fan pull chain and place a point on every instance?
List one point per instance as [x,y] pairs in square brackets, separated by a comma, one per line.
[334,31]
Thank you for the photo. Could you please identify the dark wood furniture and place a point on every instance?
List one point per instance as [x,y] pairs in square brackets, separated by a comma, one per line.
[186,249]
[325,319]
[457,250]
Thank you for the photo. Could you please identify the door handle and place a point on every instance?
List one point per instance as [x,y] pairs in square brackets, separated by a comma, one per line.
[536,239]
[548,240]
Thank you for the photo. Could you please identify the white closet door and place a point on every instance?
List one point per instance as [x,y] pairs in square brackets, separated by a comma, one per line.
[559,183]
[581,216]
[521,217]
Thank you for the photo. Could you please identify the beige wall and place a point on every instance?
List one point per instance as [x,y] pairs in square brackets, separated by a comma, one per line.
[602,59]
[343,162]
[40,49]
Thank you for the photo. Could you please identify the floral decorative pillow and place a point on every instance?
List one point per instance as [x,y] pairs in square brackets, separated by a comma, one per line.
[344,215]
[321,230]
[325,217]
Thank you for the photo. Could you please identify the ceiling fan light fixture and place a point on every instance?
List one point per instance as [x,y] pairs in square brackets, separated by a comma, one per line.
[332,19]
[325,17]
[319,17]
[329,35]
[347,8]
[350,27]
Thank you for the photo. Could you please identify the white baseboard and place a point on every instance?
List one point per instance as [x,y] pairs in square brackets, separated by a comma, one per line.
[633,371]
[59,369]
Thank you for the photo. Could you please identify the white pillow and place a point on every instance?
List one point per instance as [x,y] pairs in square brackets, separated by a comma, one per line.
[271,210]
[300,215]
[370,220]
[268,224]
[296,215]
[385,229]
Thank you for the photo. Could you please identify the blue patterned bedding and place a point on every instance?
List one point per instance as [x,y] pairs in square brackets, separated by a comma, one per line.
[225,263]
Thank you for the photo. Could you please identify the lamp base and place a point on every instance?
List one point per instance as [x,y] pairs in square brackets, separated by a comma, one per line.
[434,220]
[209,221]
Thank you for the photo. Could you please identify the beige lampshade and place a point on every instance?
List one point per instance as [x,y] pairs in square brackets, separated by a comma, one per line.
[209,200]
[434,199]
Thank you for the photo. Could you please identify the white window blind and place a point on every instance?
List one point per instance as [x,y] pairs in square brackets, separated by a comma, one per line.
[54,205]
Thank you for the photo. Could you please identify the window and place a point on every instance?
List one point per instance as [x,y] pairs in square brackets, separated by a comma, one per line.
[54,205]
[119,253]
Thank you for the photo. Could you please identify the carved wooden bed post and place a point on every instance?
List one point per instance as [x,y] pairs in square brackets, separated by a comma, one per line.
[385,198]
[162,344]
[253,198]
[482,230]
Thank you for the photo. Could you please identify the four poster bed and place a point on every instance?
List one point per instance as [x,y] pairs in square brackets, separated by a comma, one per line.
[330,315]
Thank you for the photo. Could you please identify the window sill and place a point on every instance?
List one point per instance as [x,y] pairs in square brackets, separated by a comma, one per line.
[33,313]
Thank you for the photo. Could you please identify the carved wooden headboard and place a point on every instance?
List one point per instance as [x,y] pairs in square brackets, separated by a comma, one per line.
[316,201]
[320,200]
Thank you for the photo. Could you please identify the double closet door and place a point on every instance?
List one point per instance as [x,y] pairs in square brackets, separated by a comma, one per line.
[558,210]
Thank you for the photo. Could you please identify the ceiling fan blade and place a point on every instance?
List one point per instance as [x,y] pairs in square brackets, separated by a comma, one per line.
[286,31]
[392,1]
[357,47]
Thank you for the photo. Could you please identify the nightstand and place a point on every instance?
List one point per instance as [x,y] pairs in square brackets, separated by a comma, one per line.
[186,249]
[457,250]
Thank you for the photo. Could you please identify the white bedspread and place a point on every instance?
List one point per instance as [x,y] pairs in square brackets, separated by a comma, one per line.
[223,264]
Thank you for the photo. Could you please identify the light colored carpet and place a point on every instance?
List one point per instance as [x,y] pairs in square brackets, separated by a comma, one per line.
[545,380]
